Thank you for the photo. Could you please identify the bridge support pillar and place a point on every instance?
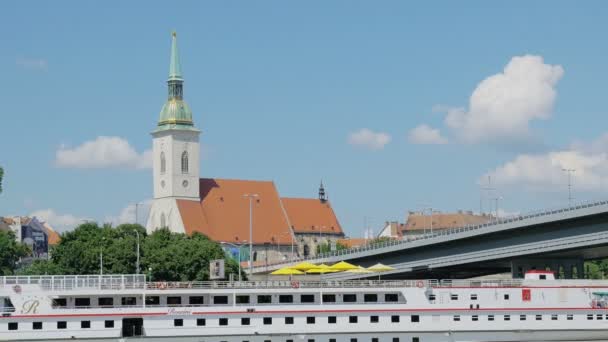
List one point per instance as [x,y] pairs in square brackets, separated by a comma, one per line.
[564,268]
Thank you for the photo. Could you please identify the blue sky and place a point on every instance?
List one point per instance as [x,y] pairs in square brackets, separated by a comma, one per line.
[297,92]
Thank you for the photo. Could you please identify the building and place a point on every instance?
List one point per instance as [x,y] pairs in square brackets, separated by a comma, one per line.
[420,223]
[37,234]
[392,229]
[231,211]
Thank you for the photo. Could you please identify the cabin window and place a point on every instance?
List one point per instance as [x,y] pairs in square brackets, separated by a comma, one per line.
[201,322]
[153,300]
[475,318]
[473,296]
[267,320]
[522,317]
[391,297]
[242,299]
[331,319]
[310,320]
[332,340]
[415,339]
[13,326]
[395,339]
[375,339]
[539,317]
[507,317]
[506,296]
[311,340]
[178,322]
[352,319]
[85,324]
[264,299]
[329,298]
[197,300]
[128,301]
[370,297]
[62,325]
[37,325]
[173,301]
[349,298]
[415,318]
[456,317]
[307,298]
[353,340]
[223,321]
[60,302]
[395,319]
[220,299]
[454,296]
[109,324]
[589,317]
[570,317]
[554,317]
[82,302]
[288,320]
[245,321]
[432,297]
[374,319]
[285,299]
[542,277]
[490,317]
[599,316]
[105,301]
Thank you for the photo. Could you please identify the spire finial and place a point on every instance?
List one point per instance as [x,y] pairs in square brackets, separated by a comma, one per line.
[322,196]
[175,68]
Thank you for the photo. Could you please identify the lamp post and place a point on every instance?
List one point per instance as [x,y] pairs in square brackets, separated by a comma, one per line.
[569,171]
[423,209]
[239,248]
[251,197]
[137,262]
[103,239]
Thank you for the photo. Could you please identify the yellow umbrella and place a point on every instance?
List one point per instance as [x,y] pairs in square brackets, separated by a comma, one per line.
[286,271]
[380,268]
[359,270]
[304,266]
[320,270]
[343,266]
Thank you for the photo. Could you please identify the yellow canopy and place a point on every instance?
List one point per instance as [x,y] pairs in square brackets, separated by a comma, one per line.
[286,271]
[359,270]
[304,266]
[380,268]
[343,266]
[321,270]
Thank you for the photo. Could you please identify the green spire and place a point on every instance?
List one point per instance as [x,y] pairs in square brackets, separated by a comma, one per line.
[175,68]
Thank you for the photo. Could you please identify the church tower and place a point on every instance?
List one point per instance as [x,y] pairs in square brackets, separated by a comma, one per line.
[175,145]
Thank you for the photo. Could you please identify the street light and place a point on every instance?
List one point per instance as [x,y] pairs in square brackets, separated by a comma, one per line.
[239,248]
[569,171]
[251,197]
[424,208]
[137,204]
[103,239]
[137,262]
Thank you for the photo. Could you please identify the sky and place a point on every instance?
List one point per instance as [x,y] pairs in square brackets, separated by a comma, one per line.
[396,105]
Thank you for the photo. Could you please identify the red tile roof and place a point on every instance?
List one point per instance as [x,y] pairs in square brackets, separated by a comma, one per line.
[353,242]
[309,215]
[417,221]
[223,212]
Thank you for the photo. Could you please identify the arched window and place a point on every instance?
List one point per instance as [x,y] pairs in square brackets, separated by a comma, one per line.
[163,163]
[185,162]
[255,256]
[306,250]
[163,220]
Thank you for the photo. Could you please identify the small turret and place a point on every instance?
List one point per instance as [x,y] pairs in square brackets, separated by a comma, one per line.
[322,197]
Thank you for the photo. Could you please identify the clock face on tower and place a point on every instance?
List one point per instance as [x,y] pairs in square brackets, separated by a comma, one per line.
[185,184]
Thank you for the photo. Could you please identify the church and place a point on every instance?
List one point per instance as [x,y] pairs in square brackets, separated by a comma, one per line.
[230,211]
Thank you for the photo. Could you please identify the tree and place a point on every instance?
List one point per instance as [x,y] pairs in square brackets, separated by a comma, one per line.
[10,252]
[1,175]
[326,247]
[40,267]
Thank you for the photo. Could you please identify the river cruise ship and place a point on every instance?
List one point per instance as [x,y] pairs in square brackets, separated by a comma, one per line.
[126,307]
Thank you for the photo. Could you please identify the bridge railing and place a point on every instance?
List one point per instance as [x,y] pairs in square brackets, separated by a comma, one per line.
[443,232]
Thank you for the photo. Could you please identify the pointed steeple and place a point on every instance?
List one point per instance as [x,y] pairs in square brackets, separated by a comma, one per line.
[175,68]
[322,196]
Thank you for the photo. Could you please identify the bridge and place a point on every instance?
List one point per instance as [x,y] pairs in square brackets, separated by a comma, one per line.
[558,239]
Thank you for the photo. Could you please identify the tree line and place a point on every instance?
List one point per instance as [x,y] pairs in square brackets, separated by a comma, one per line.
[164,255]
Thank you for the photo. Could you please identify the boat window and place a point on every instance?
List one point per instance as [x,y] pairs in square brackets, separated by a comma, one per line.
[288,340]
[37,325]
[109,324]
[395,339]
[415,318]
[178,322]
[310,320]
[490,317]
[473,296]
[62,325]
[539,317]
[264,299]
[507,317]
[288,320]
[432,297]
[220,299]
[329,298]
[242,299]
[85,324]
[456,317]
[311,340]
[267,320]
[599,316]
[285,299]
[506,296]
[331,319]
[245,321]
[174,301]
[415,339]
[370,297]
[353,340]
[349,298]
[196,300]
[570,317]
[60,302]
[395,319]
[223,321]
[391,297]
[105,301]
[554,317]
[153,300]
[201,322]
[454,296]
[589,317]
[475,318]
[307,298]
[82,302]
[375,339]
[332,340]
[128,301]
[352,319]
[374,319]
[13,326]
[522,317]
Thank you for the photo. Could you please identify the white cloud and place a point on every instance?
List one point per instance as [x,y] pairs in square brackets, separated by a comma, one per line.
[424,134]
[545,171]
[369,139]
[127,214]
[103,152]
[502,106]
[32,63]
[59,222]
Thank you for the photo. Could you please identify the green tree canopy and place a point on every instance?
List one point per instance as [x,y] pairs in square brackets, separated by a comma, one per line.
[10,252]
